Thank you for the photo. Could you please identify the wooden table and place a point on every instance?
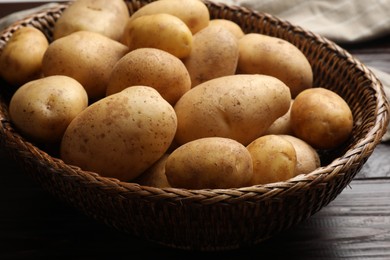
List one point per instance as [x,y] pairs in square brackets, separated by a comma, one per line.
[356,225]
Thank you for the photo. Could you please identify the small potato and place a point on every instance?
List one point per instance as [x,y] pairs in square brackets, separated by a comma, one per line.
[308,158]
[155,175]
[193,13]
[269,55]
[151,67]
[121,135]
[321,118]
[282,125]
[274,159]
[85,56]
[214,54]
[21,58]
[162,31]
[43,108]
[234,28]
[209,163]
[240,107]
[107,17]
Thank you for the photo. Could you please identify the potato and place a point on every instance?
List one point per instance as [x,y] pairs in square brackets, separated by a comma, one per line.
[274,159]
[321,118]
[282,125]
[85,56]
[42,109]
[269,55]
[121,135]
[234,28]
[308,158]
[193,13]
[209,163]
[214,54]
[21,58]
[155,175]
[162,31]
[151,67]
[107,17]
[240,107]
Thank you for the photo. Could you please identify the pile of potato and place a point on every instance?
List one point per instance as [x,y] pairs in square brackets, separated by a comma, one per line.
[168,97]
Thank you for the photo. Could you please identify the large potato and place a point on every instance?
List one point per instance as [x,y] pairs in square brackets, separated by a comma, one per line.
[42,109]
[240,107]
[321,118]
[21,58]
[276,57]
[121,135]
[193,13]
[214,54]
[151,67]
[162,31]
[85,56]
[107,17]
[274,159]
[209,163]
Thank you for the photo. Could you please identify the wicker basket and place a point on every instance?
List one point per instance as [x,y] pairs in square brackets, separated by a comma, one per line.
[212,219]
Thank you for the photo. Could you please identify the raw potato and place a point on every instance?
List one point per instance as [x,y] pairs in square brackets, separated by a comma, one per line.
[282,125]
[307,157]
[85,56]
[121,135]
[155,175]
[268,55]
[151,67]
[43,108]
[193,13]
[274,159]
[209,163]
[107,17]
[21,58]
[162,31]
[321,118]
[214,54]
[240,107]
[234,28]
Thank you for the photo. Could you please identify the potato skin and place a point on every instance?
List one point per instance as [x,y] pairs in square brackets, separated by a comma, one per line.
[151,67]
[282,125]
[107,17]
[155,175]
[321,118]
[43,108]
[121,135]
[240,107]
[269,55]
[274,159]
[21,58]
[85,56]
[214,54]
[209,163]
[234,28]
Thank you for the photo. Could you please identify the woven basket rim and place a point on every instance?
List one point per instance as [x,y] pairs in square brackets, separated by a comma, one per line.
[320,175]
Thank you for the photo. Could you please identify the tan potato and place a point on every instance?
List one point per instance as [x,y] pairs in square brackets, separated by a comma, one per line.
[240,107]
[151,67]
[162,31]
[214,54]
[282,125]
[21,58]
[155,175]
[85,56]
[268,55]
[274,159]
[209,163]
[107,17]
[193,13]
[321,118]
[43,108]
[121,135]
[234,28]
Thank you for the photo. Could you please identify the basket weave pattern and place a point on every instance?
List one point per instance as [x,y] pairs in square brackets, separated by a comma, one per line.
[212,219]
